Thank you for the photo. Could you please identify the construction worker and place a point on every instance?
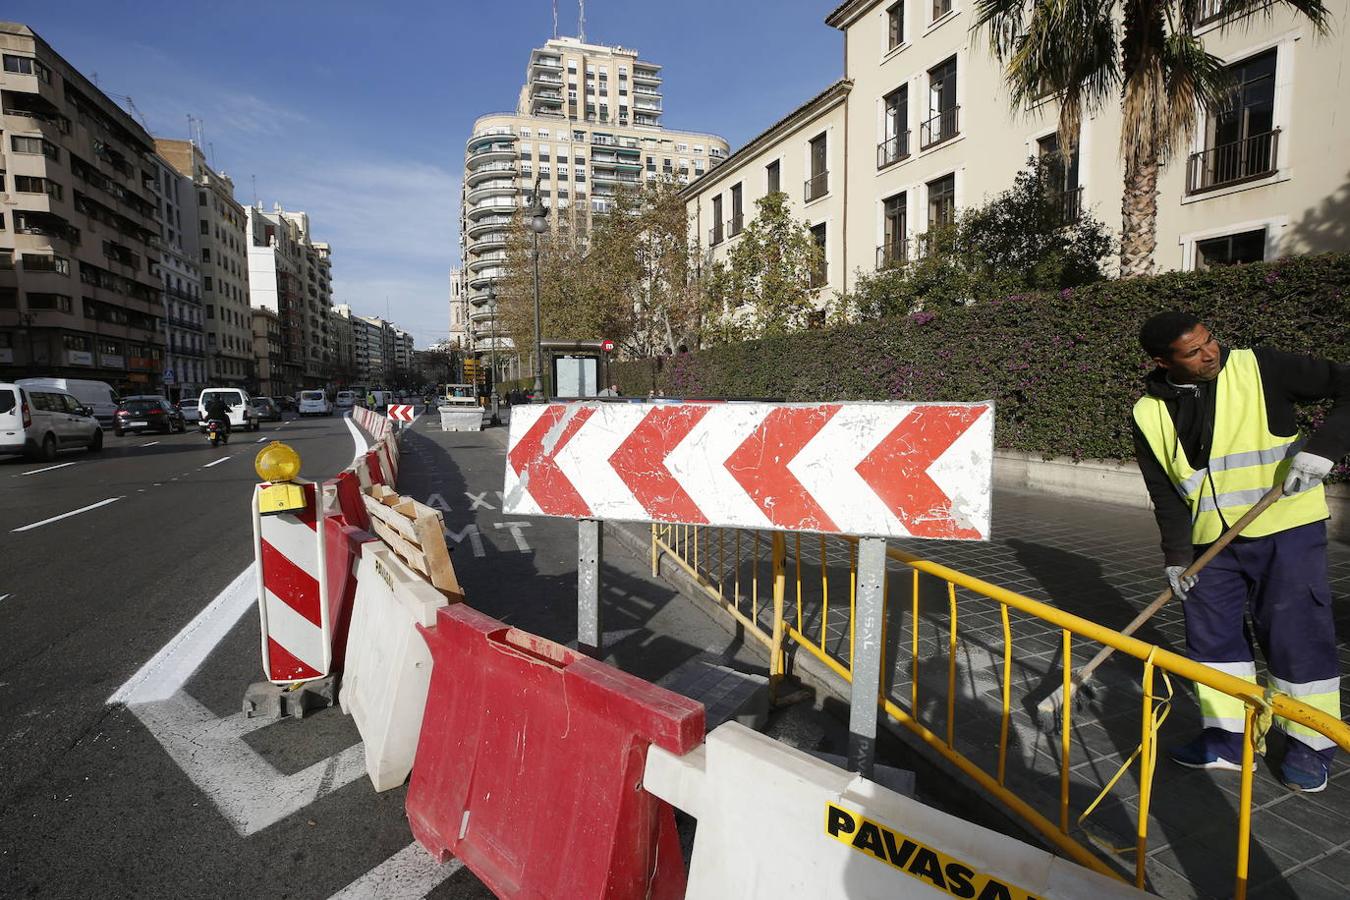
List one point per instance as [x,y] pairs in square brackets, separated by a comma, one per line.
[1214,432]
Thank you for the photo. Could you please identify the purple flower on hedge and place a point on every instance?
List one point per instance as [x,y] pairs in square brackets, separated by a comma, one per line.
[1272,277]
[1066,293]
[922,318]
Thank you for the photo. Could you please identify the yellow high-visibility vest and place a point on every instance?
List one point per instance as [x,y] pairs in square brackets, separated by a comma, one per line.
[1245,459]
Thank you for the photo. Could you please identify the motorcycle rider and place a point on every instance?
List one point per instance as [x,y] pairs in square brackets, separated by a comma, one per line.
[217,410]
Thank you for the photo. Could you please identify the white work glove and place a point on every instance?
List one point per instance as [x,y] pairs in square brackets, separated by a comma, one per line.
[1181,585]
[1306,472]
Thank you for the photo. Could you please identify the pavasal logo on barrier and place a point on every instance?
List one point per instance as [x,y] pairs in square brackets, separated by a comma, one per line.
[917,860]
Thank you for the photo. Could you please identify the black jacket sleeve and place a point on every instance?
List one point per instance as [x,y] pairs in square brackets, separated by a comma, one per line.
[1174,518]
[1291,378]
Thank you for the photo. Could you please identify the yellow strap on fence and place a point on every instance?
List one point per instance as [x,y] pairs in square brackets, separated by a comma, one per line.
[1264,718]
[1160,713]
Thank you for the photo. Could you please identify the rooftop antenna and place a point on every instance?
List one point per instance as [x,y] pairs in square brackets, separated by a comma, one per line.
[555,19]
[581,23]
[211,152]
[255,189]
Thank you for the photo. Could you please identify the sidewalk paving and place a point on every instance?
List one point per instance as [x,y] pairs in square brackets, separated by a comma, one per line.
[1096,560]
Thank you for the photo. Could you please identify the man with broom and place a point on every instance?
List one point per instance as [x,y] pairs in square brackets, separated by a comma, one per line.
[1214,432]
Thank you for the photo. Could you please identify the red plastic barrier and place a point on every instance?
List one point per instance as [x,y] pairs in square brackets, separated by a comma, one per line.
[343,549]
[530,761]
[376,471]
[349,500]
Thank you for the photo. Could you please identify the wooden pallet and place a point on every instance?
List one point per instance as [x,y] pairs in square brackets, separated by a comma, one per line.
[415,532]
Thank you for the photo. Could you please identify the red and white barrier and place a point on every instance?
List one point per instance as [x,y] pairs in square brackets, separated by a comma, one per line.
[293,608]
[876,469]
[775,822]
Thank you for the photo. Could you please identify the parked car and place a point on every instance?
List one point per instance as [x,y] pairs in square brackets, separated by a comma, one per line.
[286,402]
[38,422]
[188,407]
[345,399]
[315,403]
[147,412]
[242,415]
[268,409]
[97,395]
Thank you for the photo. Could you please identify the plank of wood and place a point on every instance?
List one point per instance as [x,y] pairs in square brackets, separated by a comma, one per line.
[391,519]
[431,536]
[406,551]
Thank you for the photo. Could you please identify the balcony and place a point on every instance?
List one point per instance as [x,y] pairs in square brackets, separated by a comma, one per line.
[482,173]
[736,224]
[488,259]
[485,277]
[1226,164]
[491,205]
[543,61]
[943,126]
[648,76]
[492,240]
[486,224]
[820,276]
[817,186]
[494,134]
[497,151]
[892,255]
[543,76]
[503,187]
[892,150]
[715,235]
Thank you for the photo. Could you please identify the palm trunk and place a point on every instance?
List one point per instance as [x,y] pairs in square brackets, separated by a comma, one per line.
[1139,216]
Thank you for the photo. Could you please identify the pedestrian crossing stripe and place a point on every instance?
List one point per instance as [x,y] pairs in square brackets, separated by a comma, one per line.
[927,864]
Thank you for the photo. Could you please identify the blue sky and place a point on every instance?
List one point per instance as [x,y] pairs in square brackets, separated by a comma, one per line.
[358,115]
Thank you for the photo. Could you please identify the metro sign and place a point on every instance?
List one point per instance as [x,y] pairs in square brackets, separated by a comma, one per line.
[400,413]
[879,469]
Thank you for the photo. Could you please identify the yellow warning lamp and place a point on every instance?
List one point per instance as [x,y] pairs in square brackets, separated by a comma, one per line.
[278,463]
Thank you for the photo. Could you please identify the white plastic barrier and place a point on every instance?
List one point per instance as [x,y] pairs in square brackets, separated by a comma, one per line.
[462,419]
[384,685]
[774,822]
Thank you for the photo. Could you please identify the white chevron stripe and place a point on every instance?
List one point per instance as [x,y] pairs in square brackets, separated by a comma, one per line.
[698,464]
[295,541]
[965,473]
[827,467]
[585,461]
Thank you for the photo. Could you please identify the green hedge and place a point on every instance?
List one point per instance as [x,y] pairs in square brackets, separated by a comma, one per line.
[1064,369]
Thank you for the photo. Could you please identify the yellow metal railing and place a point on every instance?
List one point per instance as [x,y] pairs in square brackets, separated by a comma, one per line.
[727,564]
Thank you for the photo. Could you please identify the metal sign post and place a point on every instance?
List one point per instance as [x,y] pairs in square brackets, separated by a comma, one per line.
[870,610]
[590,552]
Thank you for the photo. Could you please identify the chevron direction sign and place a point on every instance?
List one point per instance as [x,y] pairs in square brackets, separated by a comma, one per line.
[400,413]
[897,470]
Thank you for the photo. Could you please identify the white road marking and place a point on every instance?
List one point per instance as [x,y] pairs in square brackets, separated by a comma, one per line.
[5,596]
[73,512]
[48,469]
[409,874]
[151,444]
[260,440]
[216,462]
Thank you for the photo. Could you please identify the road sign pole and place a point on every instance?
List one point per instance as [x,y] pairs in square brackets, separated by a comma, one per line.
[871,609]
[590,552]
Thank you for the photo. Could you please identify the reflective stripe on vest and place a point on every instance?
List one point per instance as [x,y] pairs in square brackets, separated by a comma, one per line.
[1246,460]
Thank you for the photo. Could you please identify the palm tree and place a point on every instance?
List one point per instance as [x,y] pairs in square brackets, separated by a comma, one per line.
[1087,52]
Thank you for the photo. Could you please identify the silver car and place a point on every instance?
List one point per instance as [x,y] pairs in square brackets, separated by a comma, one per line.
[190,410]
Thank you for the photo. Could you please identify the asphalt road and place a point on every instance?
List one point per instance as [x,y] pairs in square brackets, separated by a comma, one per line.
[93,799]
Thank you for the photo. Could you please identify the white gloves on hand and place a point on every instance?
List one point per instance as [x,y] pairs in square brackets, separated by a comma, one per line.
[1180,585]
[1306,472]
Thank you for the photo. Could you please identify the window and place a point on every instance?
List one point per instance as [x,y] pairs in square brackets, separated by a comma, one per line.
[772,177]
[716,236]
[20,144]
[820,273]
[942,201]
[44,262]
[26,65]
[6,258]
[58,302]
[205,227]
[894,224]
[1241,140]
[737,213]
[894,145]
[941,8]
[1231,249]
[818,185]
[895,25]
[206,254]
[942,123]
[1062,175]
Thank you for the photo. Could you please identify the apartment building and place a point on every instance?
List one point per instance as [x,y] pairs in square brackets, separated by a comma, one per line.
[919,127]
[588,120]
[80,290]
[290,274]
[222,245]
[268,353]
[184,314]
[343,345]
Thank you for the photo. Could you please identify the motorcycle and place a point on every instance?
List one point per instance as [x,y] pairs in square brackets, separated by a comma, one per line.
[217,433]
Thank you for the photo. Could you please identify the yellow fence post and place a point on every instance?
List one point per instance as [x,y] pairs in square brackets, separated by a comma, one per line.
[778,658]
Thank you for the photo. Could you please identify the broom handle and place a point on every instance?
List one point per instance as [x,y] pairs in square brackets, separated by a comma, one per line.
[1201,561]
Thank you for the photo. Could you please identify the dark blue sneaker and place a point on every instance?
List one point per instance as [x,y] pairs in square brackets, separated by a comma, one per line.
[1303,769]
[1213,749]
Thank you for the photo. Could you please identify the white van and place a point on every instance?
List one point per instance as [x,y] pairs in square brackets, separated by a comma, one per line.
[314,403]
[242,414]
[97,395]
[345,399]
[38,422]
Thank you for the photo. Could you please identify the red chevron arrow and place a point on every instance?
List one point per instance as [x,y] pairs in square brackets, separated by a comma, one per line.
[897,469]
[533,459]
[640,462]
[760,465]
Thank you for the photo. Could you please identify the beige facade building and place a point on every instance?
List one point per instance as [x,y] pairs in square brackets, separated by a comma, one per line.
[268,353]
[920,127]
[80,290]
[459,310]
[222,243]
[184,319]
[588,120]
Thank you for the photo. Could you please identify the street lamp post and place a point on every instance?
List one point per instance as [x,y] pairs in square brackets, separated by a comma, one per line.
[492,349]
[538,223]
